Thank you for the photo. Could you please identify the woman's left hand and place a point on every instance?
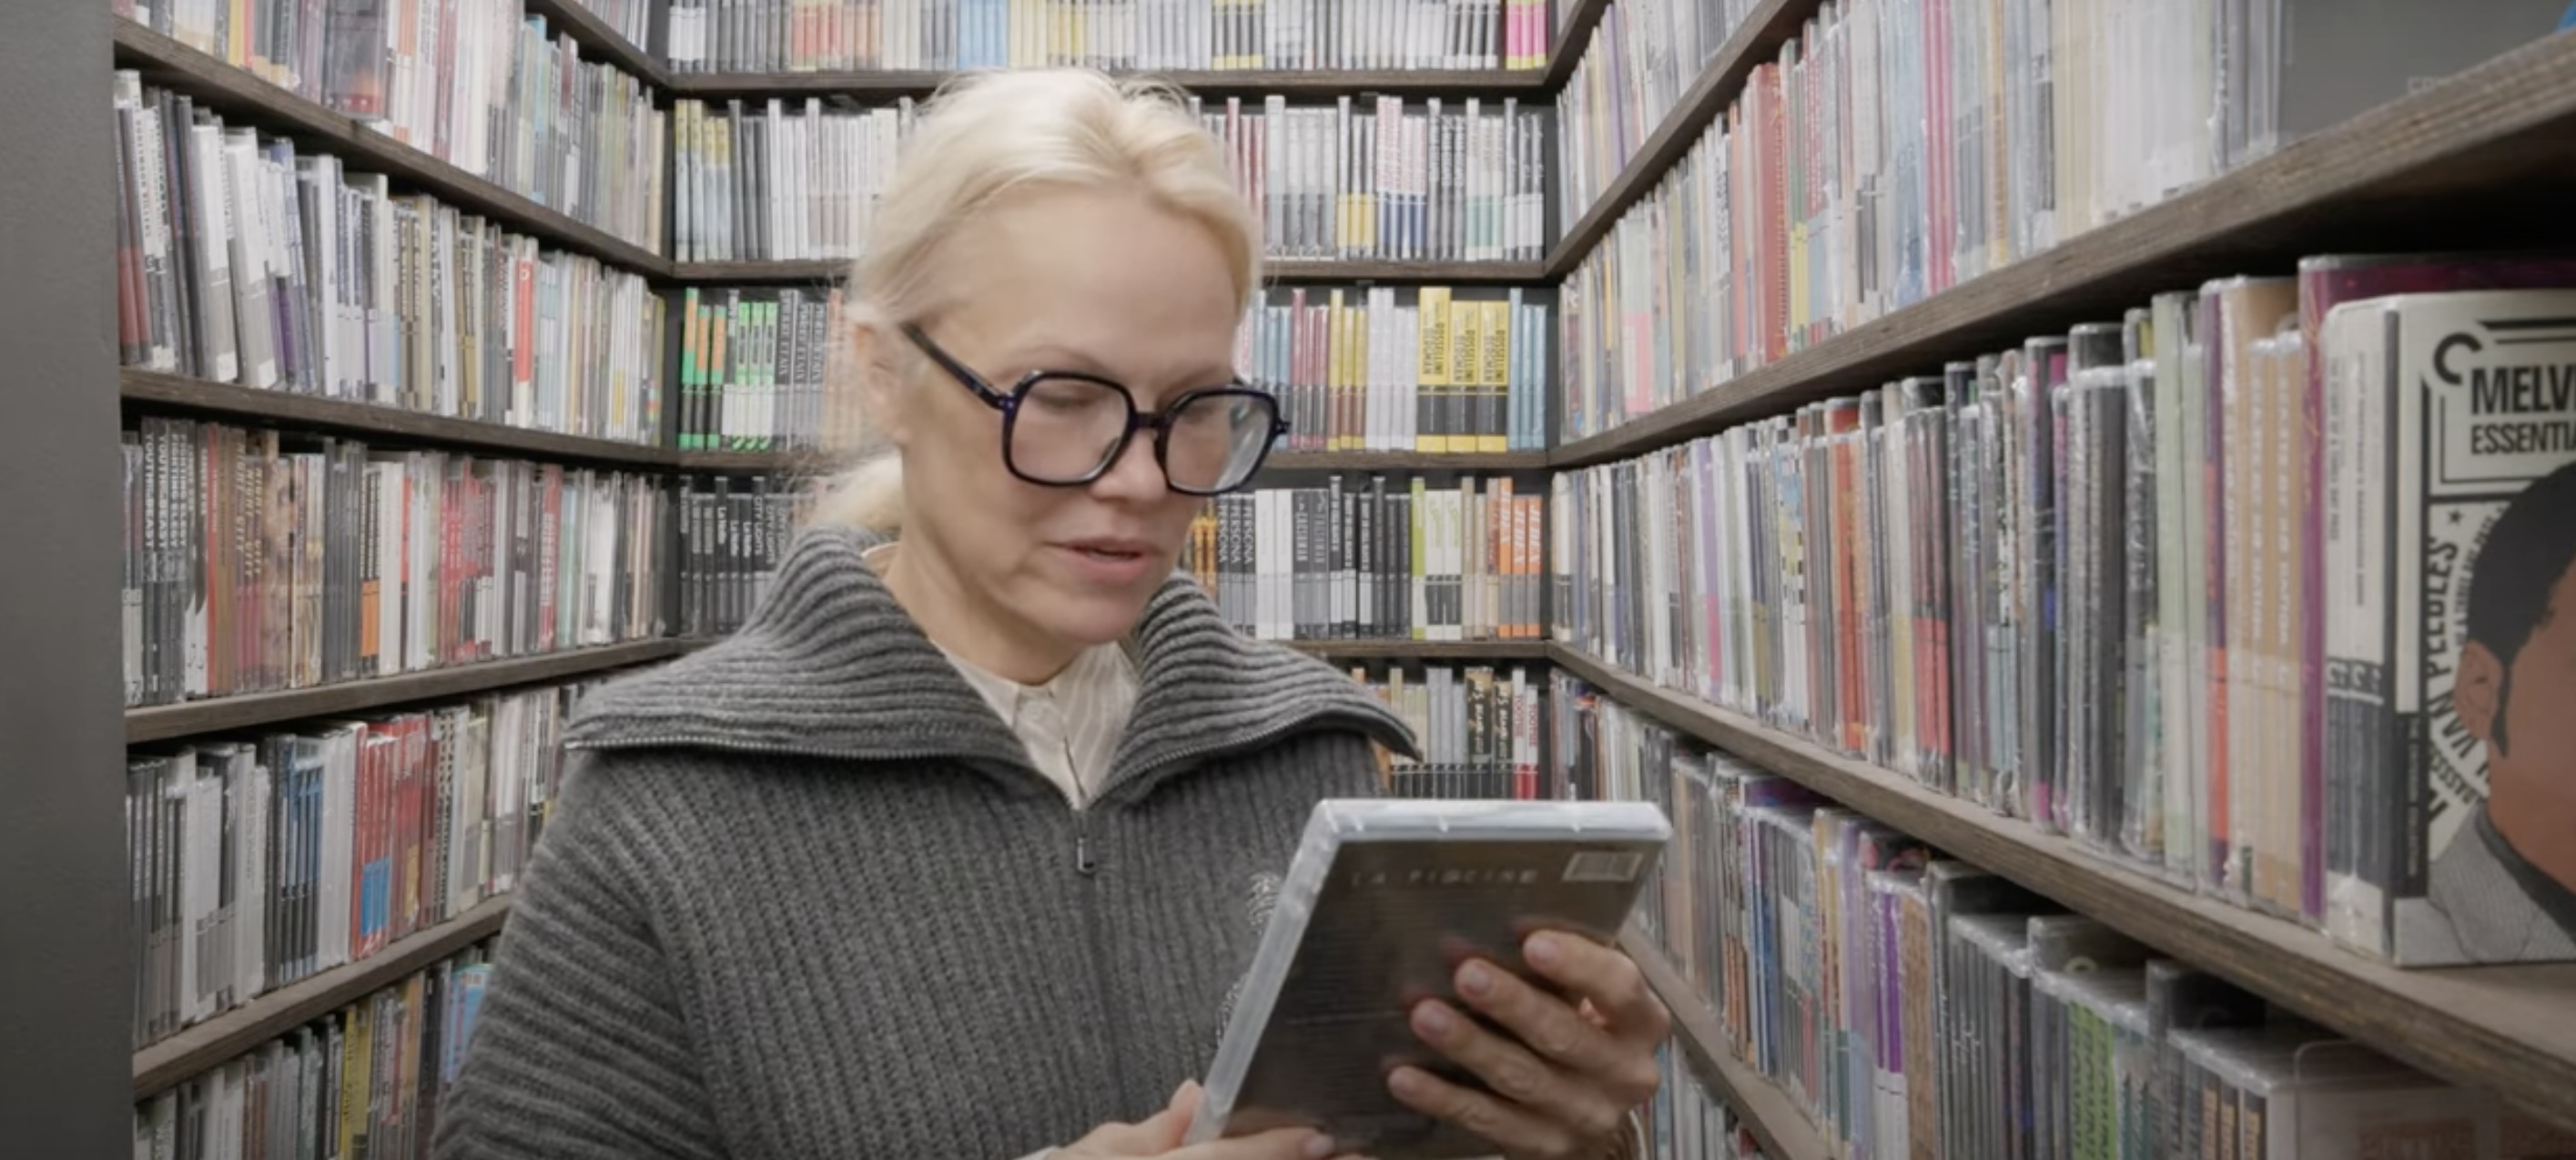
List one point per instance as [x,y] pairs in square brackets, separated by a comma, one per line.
[1581,1063]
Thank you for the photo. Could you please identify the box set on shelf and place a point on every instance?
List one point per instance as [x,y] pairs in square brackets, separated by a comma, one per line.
[2069,507]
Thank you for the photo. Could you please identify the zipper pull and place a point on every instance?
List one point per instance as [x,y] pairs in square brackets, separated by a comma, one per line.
[1082,861]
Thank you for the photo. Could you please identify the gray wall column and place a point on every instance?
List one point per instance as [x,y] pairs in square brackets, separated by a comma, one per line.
[66,1059]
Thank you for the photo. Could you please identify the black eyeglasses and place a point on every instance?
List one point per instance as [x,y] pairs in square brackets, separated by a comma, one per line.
[1065,428]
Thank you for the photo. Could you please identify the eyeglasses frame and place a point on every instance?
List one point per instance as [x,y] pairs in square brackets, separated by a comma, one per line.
[1008,403]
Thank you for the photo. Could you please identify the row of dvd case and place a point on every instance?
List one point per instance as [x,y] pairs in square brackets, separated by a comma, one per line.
[263,860]
[2256,586]
[1916,1007]
[1893,149]
[364,1080]
[1689,1121]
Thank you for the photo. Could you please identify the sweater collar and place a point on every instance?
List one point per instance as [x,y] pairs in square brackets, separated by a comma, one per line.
[830,665]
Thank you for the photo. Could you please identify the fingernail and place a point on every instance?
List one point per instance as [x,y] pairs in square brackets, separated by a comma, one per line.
[1475,980]
[1319,1146]
[1433,1019]
[1543,951]
[1406,1082]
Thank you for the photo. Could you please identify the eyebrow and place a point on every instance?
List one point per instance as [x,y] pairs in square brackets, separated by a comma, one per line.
[1055,357]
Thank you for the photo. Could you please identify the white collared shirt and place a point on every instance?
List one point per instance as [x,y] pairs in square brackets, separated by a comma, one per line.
[1072,723]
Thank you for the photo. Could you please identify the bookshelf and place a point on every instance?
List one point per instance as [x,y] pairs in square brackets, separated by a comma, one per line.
[1216,84]
[2508,1028]
[1277,271]
[237,94]
[1405,461]
[1758,39]
[1775,1121]
[1290,271]
[389,425]
[1424,650]
[1575,21]
[2471,160]
[221,714]
[2484,145]
[599,40]
[791,462]
[2456,164]
[749,462]
[173,1060]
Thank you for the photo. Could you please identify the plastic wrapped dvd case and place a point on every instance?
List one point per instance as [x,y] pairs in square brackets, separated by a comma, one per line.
[1385,899]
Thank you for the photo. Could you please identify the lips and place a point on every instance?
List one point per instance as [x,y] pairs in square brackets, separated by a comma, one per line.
[1112,562]
[1110,549]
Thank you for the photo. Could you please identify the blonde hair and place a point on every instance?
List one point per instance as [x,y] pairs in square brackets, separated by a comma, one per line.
[985,137]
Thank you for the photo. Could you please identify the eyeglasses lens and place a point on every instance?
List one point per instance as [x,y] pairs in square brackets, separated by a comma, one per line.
[1068,429]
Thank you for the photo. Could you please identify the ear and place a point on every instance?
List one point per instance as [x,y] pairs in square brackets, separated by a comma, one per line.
[877,374]
[2473,690]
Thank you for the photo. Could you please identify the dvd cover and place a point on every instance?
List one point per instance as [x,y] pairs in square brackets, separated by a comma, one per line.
[1385,899]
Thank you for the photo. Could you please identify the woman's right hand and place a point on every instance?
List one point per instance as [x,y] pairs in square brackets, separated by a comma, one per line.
[1160,1135]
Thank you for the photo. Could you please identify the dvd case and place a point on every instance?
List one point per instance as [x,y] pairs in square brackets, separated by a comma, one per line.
[2451,429]
[1385,899]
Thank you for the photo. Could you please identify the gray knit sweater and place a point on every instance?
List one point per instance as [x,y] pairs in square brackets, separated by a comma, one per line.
[803,896]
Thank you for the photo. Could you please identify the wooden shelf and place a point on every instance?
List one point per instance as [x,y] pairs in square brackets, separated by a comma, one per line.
[174,1060]
[1404,461]
[223,714]
[597,40]
[1528,84]
[802,463]
[1571,40]
[1775,1119]
[1760,38]
[2511,1029]
[1424,650]
[754,462]
[1278,271]
[820,271]
[178,392]
[2469,162]
[244,98]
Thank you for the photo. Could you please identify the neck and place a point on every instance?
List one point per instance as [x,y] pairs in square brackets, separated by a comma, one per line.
[953,615]
[2536,824]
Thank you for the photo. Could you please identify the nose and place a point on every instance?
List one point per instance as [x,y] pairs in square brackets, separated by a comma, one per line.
[1135,476]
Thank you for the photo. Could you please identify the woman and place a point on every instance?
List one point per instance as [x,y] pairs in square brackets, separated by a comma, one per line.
[958,847]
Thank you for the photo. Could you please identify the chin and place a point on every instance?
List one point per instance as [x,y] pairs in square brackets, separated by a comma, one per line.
[1091,618]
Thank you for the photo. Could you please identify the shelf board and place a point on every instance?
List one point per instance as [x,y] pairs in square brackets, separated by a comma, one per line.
[246,99]
[178,392]
[223,714]
[2466,163]
[194,1050]
[1276,271]
[2511,1029]
[1758,40]
[1571,40]
[1424,650]
[802,463]
[1776,1120]
[1404,461]
[820,271]
[598,41]
[754,462]
[887,85]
